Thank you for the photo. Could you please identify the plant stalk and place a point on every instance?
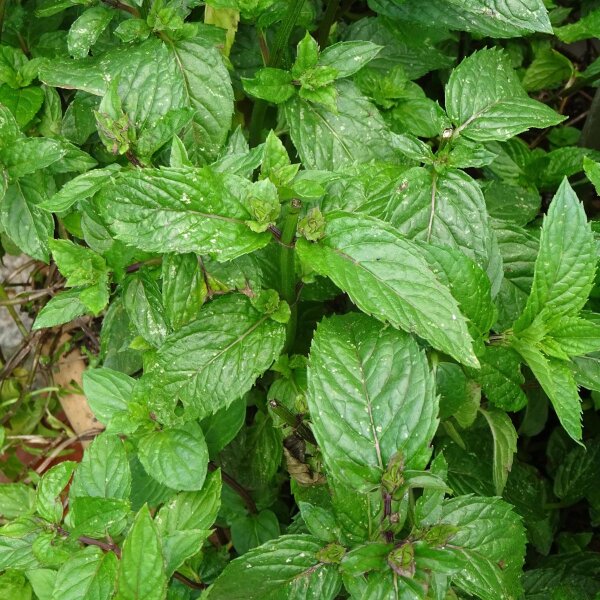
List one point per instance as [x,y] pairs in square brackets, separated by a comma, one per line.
[287,267]
[2,13]
[241,491]
[275,57]
[328,20]
[590,135]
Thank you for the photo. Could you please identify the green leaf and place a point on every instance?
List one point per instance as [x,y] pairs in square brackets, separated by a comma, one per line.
[15,586]
[307,55]
[143,302]
[221,427]
[79,265]
[374,264]
[86,30]
[52,550]
[592,171]
[25,223]
[16,546]
[208,91]
[137,69]
[254,455]
[51,485]
[486,101]
[142,568]
[320,522]
[26,155]
[98,517]
[548,70]
[448,210]
[181,545]
[577,473]
[586,27]
[566,262]
[575,336]
[183,288]
[519,251]
[62,308]
[132,30]
[104,470]
[557,381]
[500,378]
[80,187]
[523,207]
[83,267]
[407,49]
[23,103]
[348,57]
[272,85]
[163,130]
[505,445]
[16,499]
[181,210]
[284,568]
[107,391]
[9,128]
[250,531]
[468,284]
[177,458]
[214,360]
[503,19]
[42,582]
[190,73]
[331,141]
[371,396]
[459,398]
[88,574]
[492,539]
[192,510]
[586,371]
[428,507]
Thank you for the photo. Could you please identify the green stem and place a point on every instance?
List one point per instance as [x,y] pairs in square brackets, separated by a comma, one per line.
[590,135]
[287,266]
[328,19]
[259,110]
[2,12]
[275,59]
[284,32]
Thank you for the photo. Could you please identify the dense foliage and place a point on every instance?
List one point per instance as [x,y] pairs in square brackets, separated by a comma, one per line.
[334,287]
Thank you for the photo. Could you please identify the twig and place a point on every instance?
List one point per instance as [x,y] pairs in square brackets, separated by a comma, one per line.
[23,393]
[264,47]
[576,119]
[133,159]
[25,297]
[197,585]
[86,435]
[143,263]
[237,488]
[122,6]
[112,547]
[387,513]
[328,20]
[13,313]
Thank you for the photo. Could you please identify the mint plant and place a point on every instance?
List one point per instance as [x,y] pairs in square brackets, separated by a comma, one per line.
[332,266]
